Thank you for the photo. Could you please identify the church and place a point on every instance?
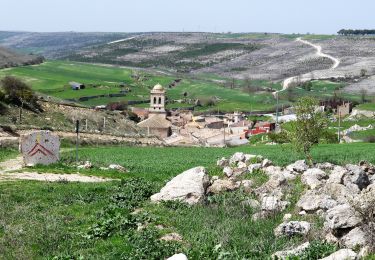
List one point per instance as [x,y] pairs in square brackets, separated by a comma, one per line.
[156,123]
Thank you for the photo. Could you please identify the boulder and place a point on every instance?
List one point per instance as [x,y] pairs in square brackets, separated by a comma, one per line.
[237,157]
[313,178]
[222,162]
[315,200]
[272,170]
[252,203]
[266,163]
[189,186]
[272,203]
[338,192]
[342,254]
[228,171]
[117,167]
[337,175]
[241,165]
[342,216]
[247,185]
[178,257]
[298,166]
[254,167]
[355,238]
[325,166]
[356,176]
[219,186]
[292,228]
[292,252]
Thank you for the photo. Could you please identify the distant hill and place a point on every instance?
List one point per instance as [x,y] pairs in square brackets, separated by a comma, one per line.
[9,58]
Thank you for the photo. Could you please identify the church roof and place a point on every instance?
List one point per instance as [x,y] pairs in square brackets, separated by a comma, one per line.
[158,87]
[155,121]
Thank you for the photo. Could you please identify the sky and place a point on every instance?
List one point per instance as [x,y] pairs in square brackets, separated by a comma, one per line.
[279,16]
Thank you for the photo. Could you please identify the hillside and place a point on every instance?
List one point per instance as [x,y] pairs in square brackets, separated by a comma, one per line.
[10,58]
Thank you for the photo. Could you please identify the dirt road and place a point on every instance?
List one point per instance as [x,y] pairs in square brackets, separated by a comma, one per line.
[320,53]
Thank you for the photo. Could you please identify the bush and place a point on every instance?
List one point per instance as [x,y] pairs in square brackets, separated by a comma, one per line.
[369,139]
[279,138]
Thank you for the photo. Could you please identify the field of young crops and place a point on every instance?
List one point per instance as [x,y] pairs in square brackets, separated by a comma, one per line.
[53,77]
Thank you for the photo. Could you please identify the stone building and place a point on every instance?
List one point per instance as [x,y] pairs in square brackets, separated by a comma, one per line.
[156,123]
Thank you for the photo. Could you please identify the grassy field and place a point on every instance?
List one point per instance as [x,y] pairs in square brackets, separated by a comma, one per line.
[69,221]
[53,77]
[367,106]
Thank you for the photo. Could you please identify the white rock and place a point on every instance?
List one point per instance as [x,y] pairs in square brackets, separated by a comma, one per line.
[313,178]
[272,203]
[178,257]
[287,217]
[86,165]
[252,203]
[254,167]
[302,213]
[222,185]
[337,175]
[292,228]
[342,254]
[356,237]
[246,185]
[222,162]
[266,163]
[272,170]
[292,252]
[338,192]
[189,186]
[251,158]
[117,167]
[228,171]
[330,238]
[241,165]
[342,216]
[298,166]
[315,200]
[237,157]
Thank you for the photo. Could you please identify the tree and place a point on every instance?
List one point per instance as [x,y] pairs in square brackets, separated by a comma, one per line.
[309,127]
[18,92]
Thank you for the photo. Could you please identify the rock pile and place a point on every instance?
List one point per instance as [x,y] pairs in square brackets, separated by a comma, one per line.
[341,195]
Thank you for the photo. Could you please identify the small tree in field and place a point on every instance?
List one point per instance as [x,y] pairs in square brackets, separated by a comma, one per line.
[309,127]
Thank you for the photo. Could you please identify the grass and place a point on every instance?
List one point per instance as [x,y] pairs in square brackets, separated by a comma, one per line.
[7,153]
[363,135]
[367,106]
[72,220]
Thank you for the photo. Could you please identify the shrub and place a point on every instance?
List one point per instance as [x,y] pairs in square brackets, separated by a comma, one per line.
[279,138]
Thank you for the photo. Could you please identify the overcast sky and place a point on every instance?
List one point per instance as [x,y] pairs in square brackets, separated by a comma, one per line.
[284,16]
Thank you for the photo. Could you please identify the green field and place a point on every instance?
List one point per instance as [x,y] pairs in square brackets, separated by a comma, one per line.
[367,106]
[53,77]
[73,221]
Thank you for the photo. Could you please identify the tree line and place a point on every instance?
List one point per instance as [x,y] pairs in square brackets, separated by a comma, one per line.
[356,32]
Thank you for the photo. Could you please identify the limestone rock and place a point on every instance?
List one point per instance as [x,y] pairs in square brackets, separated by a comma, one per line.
[252,203]
[356,237]
[237,157]
[338,192]
[178,257]
[292,252]
[293,228]
[337,175]
[287,217]
[190,187]
[313,178]
[342,216]
[228,171]
[241,165]
[342,254]
[172,237]
[251,158]
[330,238]
[272,203]
[86,165]
[222,162]
[315,200]
[272,170]
[254,167]
[298,166]
[325,166]
[266,163]
[117,167]
[247,185]
[222,185]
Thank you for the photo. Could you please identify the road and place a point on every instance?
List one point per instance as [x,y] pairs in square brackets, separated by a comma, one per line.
[320,53]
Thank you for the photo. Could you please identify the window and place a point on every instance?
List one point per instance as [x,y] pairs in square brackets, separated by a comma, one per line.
[159,100]
[154,100]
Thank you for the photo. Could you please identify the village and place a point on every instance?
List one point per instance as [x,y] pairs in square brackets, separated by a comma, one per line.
[183,128]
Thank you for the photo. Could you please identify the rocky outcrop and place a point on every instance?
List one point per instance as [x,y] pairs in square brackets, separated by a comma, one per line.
[281,255]
[292,228]
[342,254]
[190,187]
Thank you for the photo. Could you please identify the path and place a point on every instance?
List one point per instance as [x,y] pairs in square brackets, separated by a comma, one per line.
[320,53]
[9,171]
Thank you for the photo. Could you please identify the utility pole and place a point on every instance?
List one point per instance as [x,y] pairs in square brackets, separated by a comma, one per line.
[338,131]
[224,136]
[277,108]
[77,140]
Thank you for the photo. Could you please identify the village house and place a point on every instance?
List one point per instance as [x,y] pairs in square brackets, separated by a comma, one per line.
[156,123]
[76,85]
[344,109]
